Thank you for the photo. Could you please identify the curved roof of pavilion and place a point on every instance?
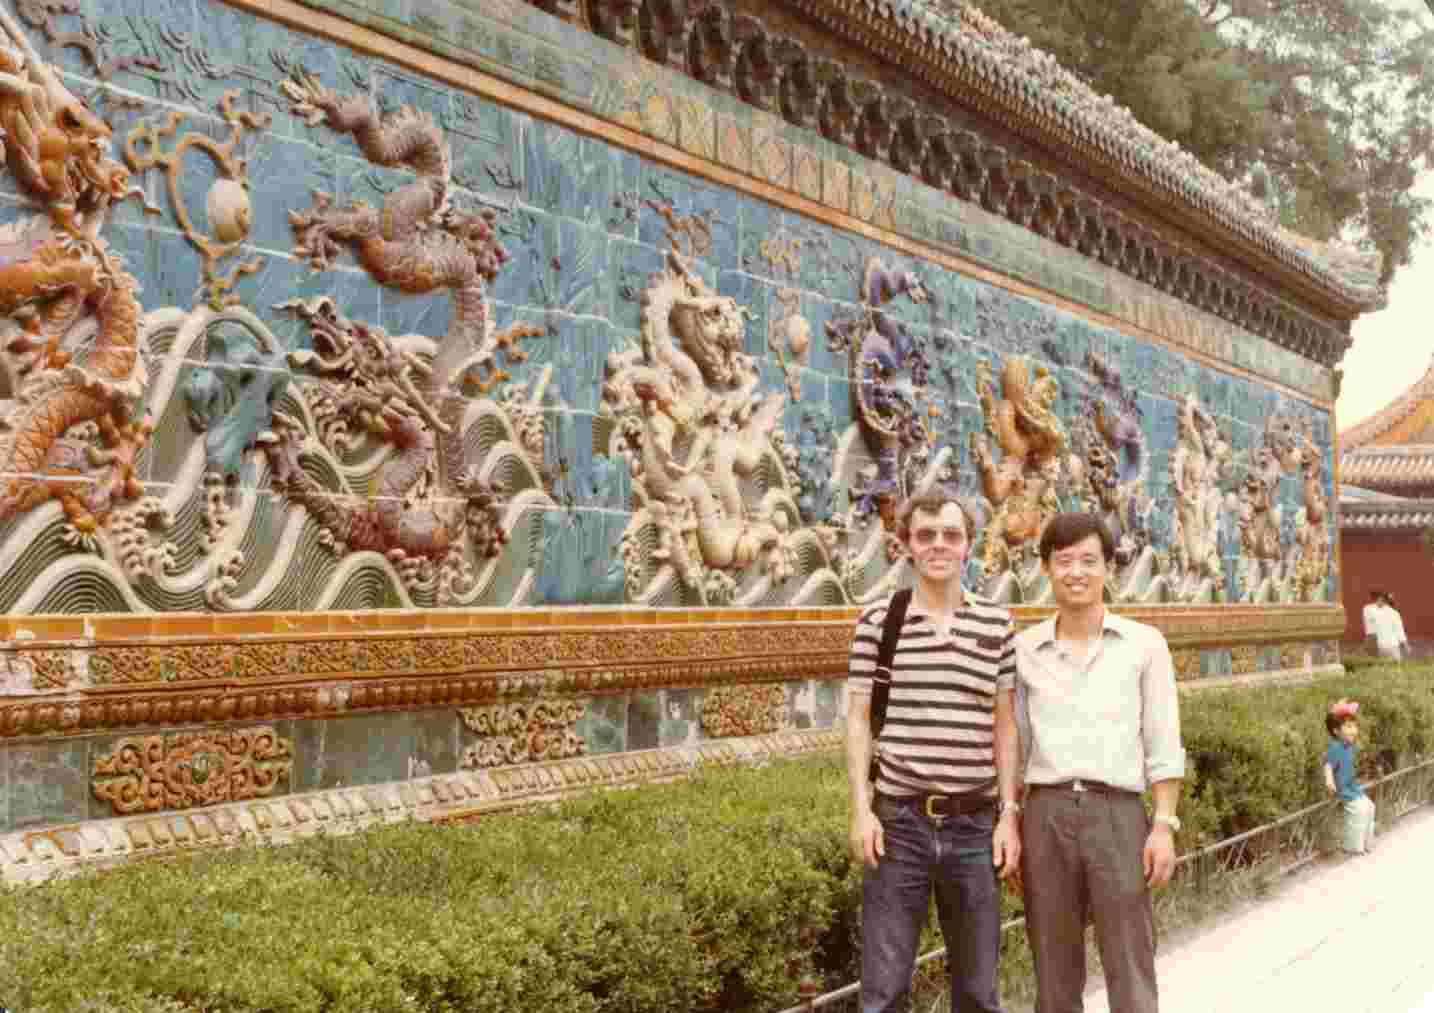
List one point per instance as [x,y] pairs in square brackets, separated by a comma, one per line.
[1387,462]
[954,38]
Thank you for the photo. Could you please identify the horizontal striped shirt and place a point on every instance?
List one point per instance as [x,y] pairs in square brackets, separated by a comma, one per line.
[939,735]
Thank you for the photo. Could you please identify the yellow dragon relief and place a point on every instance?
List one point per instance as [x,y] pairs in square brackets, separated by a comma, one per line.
[73,435]
[1268,569]
[1312,533]
[1021,485]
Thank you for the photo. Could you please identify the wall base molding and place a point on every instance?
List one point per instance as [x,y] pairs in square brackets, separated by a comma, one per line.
[39,855]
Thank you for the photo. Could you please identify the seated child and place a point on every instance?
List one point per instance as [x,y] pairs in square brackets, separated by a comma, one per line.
[1340,778]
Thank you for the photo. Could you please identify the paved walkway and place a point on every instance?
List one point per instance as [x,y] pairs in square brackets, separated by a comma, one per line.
[1350,936]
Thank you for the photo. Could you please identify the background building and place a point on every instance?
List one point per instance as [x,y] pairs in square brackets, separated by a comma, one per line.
[1386,511]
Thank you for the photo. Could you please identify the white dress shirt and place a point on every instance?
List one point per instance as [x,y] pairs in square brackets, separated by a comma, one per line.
[1113,716]
[1388,628]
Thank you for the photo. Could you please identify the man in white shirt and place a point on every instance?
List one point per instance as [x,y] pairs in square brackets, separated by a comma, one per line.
[1100,723]
[1389,630]
[1371,618]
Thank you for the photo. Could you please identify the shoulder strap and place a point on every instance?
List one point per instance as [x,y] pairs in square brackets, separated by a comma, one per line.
[881,678]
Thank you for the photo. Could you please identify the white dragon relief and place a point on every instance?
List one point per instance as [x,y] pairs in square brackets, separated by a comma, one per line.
[700,438]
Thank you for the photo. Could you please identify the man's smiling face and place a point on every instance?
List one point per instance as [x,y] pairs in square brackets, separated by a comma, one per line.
[1078,573]
[938,543]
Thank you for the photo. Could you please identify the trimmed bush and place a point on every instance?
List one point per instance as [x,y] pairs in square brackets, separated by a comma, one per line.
[718,893]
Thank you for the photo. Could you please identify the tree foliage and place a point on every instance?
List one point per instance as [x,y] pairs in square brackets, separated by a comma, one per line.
[1324,107]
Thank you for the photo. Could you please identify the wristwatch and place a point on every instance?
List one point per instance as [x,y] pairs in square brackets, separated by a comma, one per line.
[1008,806]
[1173,822]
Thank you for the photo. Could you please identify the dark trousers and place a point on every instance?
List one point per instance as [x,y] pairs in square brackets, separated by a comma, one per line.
[953,857]
[1081,863]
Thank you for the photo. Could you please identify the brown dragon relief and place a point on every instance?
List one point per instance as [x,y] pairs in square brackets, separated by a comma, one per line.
[75,432]
[429,510]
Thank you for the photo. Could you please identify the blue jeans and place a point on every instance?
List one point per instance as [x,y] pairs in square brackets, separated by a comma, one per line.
[954,856]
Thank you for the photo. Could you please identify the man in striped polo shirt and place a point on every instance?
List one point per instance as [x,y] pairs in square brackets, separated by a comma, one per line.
[947,758]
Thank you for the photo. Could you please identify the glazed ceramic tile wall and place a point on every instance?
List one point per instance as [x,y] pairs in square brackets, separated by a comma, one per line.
[403,346]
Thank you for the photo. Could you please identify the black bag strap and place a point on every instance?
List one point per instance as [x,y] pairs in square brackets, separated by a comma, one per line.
[885,654]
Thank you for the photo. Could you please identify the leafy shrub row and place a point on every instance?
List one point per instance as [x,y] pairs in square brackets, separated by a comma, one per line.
[718,893]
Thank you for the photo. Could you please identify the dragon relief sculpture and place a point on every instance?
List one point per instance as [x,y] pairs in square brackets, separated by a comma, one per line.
[1110,466]
[1200,464]
[1021,487]
[1267,569]
[1312,530]
[430,514]
[76,428]
[699,437]
[889,374]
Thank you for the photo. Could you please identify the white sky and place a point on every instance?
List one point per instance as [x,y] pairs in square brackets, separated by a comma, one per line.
[1392,348]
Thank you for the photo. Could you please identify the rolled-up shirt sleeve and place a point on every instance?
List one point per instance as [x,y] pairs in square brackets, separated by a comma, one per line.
[865,644]
[1160,714]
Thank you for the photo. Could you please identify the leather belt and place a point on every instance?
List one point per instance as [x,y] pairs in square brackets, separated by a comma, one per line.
[1082,785]
[938,807]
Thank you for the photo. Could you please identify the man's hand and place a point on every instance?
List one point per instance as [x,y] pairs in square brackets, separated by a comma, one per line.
[1329,788]
[1006,846]
[868,841]
[1159,856]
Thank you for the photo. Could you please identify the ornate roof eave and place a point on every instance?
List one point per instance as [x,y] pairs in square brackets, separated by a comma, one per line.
[934,49]
[914,90]
[1409,473]
[1365,432]
[1386,514]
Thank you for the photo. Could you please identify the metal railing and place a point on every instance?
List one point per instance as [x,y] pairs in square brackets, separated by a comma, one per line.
[1270,851]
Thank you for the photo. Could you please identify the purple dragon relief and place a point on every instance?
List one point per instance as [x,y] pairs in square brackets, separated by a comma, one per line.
[889,370]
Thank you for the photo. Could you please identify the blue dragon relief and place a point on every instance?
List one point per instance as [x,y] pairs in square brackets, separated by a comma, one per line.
[231,399]
[890,370]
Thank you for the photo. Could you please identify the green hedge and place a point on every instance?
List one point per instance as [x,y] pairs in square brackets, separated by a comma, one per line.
[717,893]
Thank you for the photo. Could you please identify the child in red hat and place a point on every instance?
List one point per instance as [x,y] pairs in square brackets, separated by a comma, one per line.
[1341,779]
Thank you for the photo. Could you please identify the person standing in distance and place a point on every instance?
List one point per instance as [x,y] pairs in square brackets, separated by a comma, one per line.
[942,812]
[1371,619]
[1390,637]
[1100,723]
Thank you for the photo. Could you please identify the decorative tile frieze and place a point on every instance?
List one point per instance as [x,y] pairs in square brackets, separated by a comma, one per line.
[273,679]
[522,733]
[729,711]
[181,771]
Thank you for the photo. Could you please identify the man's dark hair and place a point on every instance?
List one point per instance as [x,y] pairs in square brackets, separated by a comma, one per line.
[1333,721]
[930,503]
[1376,596]
[1065,530]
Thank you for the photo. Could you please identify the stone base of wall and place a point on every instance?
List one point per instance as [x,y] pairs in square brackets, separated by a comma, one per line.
[1281,677]
[36,856]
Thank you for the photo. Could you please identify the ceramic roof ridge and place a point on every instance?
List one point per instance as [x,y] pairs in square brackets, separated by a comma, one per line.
[1037,80]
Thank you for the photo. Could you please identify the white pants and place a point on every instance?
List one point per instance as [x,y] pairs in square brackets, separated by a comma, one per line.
[1358,824]
[1394,652]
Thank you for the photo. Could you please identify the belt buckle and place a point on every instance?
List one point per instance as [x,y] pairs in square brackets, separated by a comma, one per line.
[931,815]
[1078,786]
